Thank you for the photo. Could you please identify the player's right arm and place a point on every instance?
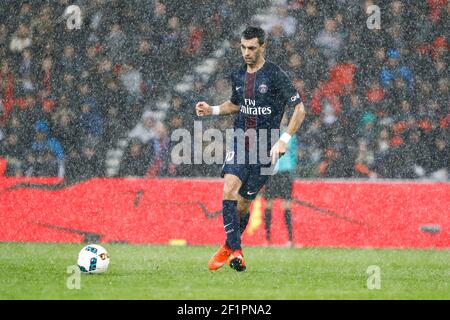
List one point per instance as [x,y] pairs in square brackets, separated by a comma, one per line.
[204,109]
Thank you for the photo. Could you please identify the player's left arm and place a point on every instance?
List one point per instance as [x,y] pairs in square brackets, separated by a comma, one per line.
[280,147]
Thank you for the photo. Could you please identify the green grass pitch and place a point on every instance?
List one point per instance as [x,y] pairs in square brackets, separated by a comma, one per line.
[39,271]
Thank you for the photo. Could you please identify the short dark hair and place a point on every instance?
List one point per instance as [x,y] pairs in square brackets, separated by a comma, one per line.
[254,32]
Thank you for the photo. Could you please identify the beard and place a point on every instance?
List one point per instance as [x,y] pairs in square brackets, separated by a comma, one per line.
[251,61]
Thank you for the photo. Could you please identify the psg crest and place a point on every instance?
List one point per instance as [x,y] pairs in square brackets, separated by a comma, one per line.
[262,88]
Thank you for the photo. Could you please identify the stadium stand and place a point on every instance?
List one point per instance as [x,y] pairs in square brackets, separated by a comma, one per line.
[103,100]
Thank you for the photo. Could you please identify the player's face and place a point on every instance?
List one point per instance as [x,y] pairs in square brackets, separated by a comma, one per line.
[251,50]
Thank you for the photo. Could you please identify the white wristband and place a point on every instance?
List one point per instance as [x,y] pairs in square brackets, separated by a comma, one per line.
[285,137]
[215,110]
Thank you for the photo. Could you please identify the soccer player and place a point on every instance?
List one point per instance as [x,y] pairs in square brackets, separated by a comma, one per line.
[260,92]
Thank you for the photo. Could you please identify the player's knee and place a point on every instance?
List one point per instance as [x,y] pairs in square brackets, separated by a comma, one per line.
[243,208]
[286,205]
[230,192]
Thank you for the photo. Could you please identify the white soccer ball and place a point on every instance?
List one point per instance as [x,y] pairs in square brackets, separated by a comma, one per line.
[93,259]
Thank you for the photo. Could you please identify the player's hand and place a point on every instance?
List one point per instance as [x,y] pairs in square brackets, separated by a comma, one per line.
[278,150]
[203,109]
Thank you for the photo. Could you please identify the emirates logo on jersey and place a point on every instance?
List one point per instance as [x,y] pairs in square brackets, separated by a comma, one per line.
[251,108]
[256,111]
[263,88]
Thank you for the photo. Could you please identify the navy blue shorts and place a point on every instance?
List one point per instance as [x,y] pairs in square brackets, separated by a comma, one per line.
[249,174]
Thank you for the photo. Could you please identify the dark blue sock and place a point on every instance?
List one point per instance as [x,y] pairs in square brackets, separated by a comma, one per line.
[268,220]
[244,222]
[231,223]
[288,219]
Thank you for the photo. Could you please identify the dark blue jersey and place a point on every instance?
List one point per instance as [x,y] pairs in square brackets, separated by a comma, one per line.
[262,97]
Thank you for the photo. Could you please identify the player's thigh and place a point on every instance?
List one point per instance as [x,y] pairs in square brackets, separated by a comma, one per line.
[234,176]
[231,186]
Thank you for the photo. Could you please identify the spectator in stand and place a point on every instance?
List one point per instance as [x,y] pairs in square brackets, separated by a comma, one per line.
[381,149]
[180,116]
[145,60]
[47,81]
[85,95]
[160,165]
[442,94]
[69,62]
[114,126]
[42,163]
[21,39]
[42,28]
[90,162]
[16,125]
[282,19]
[364,161]
[313,18]
[195,42]
[393,70]
[27,65]
[65,129]
[159,16]
[131,79]
[440,158]
[4,33]
[330,41]
[31,113]
[177,116]
[91,123]
[336,161]
[136,160]
[170,38]
[436,8]
[68,88]
[144,130]
[444,25]
[6,86]
[46,156]
[113,94]
[116,43]
[12,151]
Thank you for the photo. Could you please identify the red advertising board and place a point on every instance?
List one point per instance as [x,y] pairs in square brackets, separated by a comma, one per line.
[325,213]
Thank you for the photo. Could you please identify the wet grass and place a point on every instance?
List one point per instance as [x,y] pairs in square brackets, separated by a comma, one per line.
[39,271]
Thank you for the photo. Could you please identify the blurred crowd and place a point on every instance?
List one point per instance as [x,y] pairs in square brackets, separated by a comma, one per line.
[378,99]
[68,93]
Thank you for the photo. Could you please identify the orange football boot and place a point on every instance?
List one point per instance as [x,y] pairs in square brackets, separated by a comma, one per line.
[220,257]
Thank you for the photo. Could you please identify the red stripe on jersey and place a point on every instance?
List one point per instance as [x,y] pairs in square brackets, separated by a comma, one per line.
[250,85]
[250,121]
[249,93]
